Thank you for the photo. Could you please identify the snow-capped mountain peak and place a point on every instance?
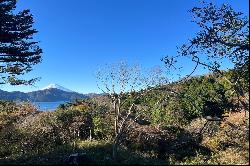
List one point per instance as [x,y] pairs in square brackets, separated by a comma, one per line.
[56,86]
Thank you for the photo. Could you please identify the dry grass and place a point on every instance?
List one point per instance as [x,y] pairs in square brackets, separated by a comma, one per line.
[230,144]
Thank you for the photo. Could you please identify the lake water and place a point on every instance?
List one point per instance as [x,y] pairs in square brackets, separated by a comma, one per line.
[48,106]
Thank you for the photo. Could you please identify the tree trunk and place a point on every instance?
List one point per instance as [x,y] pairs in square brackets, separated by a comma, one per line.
[114,150]
[90,134]
[116,122]
[114,155]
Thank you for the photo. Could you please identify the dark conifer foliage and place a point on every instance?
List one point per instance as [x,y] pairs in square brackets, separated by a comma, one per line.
[18,51]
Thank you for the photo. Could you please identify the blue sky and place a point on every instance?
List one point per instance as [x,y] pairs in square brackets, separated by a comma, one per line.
[77,36]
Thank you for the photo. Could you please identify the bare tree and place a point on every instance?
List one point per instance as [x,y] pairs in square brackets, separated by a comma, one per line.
[223,36]
[122,82]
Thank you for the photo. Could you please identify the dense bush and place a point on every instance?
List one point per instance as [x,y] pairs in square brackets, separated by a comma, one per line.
[11,113]
[49,129]
[25,130]
[10,141]
[100,124]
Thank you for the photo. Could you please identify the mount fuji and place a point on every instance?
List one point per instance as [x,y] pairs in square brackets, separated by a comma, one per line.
[56,86]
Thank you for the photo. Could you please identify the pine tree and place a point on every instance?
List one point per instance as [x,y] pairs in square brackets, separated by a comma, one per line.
[18,51]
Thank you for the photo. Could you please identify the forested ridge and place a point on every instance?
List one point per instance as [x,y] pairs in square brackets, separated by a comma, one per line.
[47,95]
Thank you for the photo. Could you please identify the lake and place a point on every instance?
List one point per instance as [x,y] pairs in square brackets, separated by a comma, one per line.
[46,106]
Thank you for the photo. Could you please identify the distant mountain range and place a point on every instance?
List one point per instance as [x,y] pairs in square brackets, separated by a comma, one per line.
[51,93]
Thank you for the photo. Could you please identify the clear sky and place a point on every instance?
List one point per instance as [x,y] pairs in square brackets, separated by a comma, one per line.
[77,36]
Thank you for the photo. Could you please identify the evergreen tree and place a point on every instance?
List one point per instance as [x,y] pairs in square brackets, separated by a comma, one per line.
[18,51]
